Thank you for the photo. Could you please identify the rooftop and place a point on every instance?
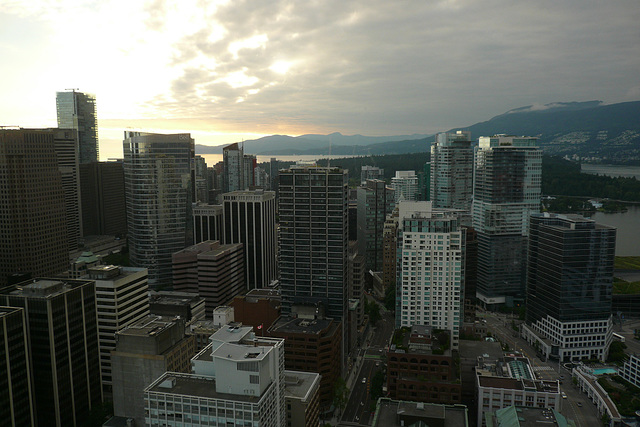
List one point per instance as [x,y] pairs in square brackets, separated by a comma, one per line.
[148,326]
[522,416]
[175,298]
[195,386]
[300,326]
[392,413]
[298,384]
[43,288]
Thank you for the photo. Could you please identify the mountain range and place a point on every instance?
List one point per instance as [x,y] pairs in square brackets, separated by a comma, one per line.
[591,130]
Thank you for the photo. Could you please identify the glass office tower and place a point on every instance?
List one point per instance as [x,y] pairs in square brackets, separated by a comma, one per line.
[159,175]
[77,110]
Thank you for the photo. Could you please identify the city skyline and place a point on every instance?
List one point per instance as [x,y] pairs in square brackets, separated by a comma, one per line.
[226,72]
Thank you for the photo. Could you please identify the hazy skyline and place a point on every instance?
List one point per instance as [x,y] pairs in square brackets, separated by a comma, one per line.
[230,70]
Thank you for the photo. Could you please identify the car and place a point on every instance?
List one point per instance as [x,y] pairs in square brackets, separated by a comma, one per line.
[364,380]
[579,404]
[564,395]
[561,377]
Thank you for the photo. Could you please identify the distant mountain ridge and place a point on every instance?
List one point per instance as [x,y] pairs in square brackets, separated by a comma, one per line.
[605,133]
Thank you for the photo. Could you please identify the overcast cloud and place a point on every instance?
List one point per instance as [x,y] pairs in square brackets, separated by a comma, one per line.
[372,67]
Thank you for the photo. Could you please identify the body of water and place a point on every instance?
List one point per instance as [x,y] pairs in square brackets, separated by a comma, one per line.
[627,223]
[212,159]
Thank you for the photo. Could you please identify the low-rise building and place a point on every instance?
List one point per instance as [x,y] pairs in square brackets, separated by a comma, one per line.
[512,382]
[397,413]
[189,306]
[421,367]
[526,416]
[631,370]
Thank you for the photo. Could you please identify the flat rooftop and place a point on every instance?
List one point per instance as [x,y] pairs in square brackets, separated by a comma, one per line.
[148,326]
[395,413]
[518,384]
[174,298]
[44,288]
[528,417]
[299,384]
[300,326]
[195,386]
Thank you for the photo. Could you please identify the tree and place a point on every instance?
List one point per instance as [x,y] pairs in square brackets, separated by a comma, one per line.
[340,393]
[374,313]
[376,385]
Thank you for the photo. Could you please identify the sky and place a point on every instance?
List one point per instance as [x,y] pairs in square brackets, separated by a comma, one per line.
[234,70]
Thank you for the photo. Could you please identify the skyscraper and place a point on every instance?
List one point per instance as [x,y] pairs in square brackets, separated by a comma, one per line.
[313,238]
[234,171]
[452,170]
[32,210]
[77,110]
[103,201]
[16,381]
[507,178]
[569,286]
[159,180]
[431,256]
[65,142]
[405,185]
[375,202]
[250,219]
[63,340]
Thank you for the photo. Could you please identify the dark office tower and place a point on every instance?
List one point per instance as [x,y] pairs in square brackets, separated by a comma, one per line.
[233,158]
[32,208]
[103,201]
[375,202]
[250,219]
[208,222]
[424,183]
[452,170]
[66,145]
[569,282]
[16,397]
[77,110]
[250,162]
[159,180]
[63,342]
[507,177]
[313,239]
[202,184]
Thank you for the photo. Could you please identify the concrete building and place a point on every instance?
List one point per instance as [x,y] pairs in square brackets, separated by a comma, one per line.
[301,398]
[238,379]
[103,200]
[188,306]
[512,382]
[375,202]
[389,249]
[526,416]
[65,142]
[431,259]
[62,335]
[233,158]
[121,299]
[356,284]
[313,239]
[507,179]
[77,110]
[631,370]
[159,179]
[17,407]
[250,219]
[201,180]
[144,351]
[250,162]
[208,223]
[451,184]
[211,270]
[405,185]
[259,308]
[569,286]
[312,345]
[32,210]
[398,413]
[370,172]
[422,368]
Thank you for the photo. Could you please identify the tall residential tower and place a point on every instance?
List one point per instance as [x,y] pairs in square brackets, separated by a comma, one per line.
[452,170]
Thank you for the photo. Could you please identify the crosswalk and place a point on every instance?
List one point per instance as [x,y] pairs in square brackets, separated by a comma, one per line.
[542,368]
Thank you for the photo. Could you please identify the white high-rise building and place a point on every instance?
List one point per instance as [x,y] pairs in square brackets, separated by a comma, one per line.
[405,185]
[122,298]
[452,170]
[238,379]
[430,266]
